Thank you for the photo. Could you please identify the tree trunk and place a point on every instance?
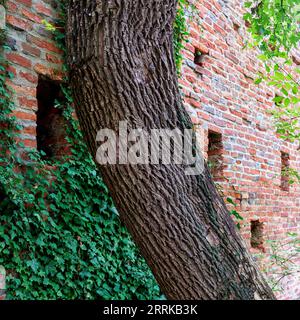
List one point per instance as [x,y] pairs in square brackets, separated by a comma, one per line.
[121,62]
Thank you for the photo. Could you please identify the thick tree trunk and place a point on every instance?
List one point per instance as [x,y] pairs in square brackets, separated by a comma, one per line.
[121,62]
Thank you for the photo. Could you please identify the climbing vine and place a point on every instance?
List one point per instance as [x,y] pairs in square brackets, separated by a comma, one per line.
[180,32]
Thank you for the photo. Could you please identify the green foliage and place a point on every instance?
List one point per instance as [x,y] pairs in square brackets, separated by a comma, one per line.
[274,25]
[60,234]
[292,174]
[180,32]
[234,213]
[48,26]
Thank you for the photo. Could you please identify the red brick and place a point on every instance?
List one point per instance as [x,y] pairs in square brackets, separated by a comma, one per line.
[33,78]
[27,3]
[28,103]
[18,23]
[53,59]
[31,16]
[25,115]
[44,44]
[40,8]
[28,49]
[18,59]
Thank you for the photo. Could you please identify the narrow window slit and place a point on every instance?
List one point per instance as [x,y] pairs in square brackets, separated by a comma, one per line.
[50,122]
[199,56]
[215,155]
[257,234]
[236,27]
[285,176]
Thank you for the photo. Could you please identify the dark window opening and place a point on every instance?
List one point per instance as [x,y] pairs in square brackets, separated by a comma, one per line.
[285,176]
[2,196]
[236,27]
[296,60]
[257,234]
[50,122]
[5,201]
[215,154]
[199,56]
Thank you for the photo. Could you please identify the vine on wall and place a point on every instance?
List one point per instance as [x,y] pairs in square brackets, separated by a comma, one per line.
[180,32]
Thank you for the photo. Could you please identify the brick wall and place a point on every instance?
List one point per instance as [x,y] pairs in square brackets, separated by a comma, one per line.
[33,53]
[228,109]
[222,99]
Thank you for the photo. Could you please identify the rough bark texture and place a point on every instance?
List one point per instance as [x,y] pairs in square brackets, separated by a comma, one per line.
[122,68]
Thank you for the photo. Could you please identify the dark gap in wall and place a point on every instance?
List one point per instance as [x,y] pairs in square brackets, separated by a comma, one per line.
[236,27]
[50,122]
[257,234]
[215,154]
[199,56]
[285,166]
[5,201]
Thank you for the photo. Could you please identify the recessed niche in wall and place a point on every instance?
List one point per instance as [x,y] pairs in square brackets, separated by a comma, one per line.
[296,60]
[236,27]
[215,154]
[285,175]
[199,56]
[50,122]
[257,234]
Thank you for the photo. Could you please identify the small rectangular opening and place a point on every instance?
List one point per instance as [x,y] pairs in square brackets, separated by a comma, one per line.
[236,27]
[215,154]
[257,234]
[50,122]
[285,174]
[199,56]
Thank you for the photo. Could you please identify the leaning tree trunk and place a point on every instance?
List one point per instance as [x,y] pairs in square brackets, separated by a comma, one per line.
[120,54]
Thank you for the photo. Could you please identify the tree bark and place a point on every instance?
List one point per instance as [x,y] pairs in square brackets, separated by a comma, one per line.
[120,55]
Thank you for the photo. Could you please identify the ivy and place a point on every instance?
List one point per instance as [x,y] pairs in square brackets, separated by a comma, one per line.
[180,32]
[274,26]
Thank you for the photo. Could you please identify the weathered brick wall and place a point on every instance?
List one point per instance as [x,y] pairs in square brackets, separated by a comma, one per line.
[220,94]
[33,53]
[218,91]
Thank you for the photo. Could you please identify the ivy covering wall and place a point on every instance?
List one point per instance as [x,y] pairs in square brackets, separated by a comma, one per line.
[60,234]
